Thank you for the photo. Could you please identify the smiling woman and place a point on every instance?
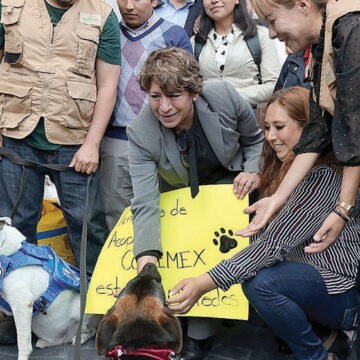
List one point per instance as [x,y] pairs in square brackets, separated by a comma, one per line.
[190,134]
[236,49]
[208,124]
[331,28]
[288,287]
[291,21]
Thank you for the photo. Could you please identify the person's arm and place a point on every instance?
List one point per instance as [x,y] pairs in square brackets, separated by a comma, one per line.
[189,292]
[270,70]
[251,141]
[345,124]
[334,224]
[293,225]
[267,207]
[145,204]
[86,159]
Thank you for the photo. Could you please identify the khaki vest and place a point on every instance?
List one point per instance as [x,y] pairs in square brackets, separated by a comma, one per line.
[334,10]
[49,72]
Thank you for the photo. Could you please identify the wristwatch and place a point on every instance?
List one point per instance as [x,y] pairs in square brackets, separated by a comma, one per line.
[349,208]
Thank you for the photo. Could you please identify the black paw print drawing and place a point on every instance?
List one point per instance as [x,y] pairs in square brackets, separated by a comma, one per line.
[227,243]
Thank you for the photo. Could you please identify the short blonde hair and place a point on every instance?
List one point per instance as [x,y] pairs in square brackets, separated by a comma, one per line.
[264,8]
[173,69]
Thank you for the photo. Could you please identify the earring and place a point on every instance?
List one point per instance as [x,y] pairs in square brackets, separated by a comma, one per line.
[305,12]
[194,99]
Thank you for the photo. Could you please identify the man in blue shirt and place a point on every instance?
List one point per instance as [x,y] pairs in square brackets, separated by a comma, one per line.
[180,12]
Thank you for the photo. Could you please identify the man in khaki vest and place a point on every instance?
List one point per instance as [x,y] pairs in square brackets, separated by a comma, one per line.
[58,77]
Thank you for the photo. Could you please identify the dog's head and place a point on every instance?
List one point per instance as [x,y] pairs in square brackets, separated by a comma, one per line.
[140,317]
[10,238]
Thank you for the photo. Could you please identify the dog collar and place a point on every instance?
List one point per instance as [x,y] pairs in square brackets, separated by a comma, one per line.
[158,352]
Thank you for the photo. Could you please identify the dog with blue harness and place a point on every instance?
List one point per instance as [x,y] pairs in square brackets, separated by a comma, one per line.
[41,291]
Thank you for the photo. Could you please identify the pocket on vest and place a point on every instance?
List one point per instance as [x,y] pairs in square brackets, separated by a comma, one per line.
[15,103]
[82,97]
[13,51]
[88,40]
[11,10]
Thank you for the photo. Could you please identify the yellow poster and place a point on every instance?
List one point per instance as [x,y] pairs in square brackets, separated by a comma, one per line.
[196,235]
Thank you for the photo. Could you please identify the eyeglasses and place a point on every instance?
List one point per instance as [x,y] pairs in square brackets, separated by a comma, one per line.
[182,145]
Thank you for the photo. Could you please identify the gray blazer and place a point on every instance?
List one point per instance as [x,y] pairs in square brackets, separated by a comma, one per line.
[232,131]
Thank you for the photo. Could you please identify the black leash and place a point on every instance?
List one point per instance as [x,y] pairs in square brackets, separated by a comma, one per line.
[12,156]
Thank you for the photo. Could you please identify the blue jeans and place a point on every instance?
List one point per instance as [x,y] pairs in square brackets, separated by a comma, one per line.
[288,295]
[71,187]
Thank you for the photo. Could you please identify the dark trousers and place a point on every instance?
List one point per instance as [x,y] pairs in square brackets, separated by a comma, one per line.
[289,295]
[71,187]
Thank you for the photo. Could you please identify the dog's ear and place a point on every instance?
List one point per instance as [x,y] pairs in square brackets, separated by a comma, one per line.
[139,333]
[172,325]
[104,334]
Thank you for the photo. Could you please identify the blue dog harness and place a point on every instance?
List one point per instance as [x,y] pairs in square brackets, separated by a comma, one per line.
[63,276]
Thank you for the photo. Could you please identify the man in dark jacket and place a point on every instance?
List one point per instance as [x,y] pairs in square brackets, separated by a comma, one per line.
[293,73]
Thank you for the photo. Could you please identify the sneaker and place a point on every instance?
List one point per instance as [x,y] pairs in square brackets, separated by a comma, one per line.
[7,330]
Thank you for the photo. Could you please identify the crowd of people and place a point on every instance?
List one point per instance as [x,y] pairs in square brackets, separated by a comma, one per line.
[155,95]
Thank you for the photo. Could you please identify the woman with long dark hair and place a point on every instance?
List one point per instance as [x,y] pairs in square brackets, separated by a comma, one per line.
[287,286]
[230,42]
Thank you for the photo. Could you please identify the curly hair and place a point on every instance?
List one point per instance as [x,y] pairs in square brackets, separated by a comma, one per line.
[173,69]
[295,101]
[264,7]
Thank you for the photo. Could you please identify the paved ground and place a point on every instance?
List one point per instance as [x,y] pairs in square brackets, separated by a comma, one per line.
[240,341]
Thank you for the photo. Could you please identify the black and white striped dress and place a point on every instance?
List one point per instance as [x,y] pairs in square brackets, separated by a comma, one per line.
[293,228]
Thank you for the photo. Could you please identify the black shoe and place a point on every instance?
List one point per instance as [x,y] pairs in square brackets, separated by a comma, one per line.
[283,347]
[337,343]
[196,349]
[7,330]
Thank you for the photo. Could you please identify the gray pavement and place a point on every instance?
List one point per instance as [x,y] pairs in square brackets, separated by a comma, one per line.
[235,341]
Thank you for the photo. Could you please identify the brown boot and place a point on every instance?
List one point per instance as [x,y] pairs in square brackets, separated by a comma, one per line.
[7,330]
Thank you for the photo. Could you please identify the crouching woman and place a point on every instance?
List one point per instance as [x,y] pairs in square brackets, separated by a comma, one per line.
[190,134]
[287,286]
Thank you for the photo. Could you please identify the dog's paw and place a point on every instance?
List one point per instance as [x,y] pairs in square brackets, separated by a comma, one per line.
[227,243]
[85,336]
[41,343]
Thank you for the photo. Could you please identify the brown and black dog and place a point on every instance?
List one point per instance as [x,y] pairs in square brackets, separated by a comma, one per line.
[140,319]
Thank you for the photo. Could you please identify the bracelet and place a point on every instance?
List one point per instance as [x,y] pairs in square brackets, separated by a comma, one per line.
[342,215]
[349,209]
[344,211]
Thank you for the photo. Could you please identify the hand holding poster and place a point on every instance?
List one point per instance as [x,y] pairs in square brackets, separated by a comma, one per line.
[196,235]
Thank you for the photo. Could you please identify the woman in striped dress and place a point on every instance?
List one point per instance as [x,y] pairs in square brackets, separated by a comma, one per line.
[287,286]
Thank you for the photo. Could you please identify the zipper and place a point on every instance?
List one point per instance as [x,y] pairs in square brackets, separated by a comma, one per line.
[17,72]
[46,84]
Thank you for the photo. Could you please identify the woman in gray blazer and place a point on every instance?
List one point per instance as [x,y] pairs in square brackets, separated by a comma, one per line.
[190,134]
